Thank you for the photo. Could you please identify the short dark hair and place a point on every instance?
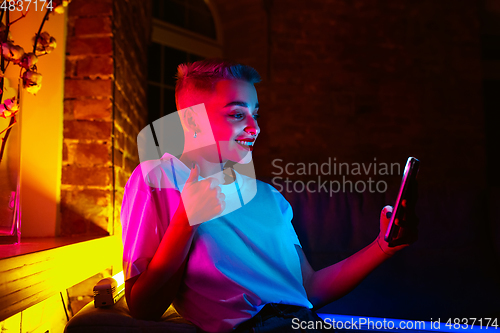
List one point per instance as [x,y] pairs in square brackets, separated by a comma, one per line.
[204,74]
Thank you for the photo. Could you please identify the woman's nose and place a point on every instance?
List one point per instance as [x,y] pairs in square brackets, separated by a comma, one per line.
[252,128]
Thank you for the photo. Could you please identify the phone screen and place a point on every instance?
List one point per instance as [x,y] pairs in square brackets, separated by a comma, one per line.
[403,234]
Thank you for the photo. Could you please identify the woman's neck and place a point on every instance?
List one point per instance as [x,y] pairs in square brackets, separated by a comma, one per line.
[229,176]
[210,169]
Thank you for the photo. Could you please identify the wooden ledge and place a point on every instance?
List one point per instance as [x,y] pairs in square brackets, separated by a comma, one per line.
[36,244]
[39,268]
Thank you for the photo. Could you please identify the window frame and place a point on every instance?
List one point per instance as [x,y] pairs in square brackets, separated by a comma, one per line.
[170,35]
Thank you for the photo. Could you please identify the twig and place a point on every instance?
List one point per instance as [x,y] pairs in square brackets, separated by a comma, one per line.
[12,120]
[40,30]
[20,17]
[7,24]
[1,58]
[2,61]
[4,139]
[9,125]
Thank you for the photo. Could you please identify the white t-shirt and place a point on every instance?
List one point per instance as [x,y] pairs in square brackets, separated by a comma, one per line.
[238,262]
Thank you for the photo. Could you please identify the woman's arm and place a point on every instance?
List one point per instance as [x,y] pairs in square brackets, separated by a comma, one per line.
[335,281]
[150,293]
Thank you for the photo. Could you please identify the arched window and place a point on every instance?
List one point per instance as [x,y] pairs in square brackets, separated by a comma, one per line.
[192,15]
[183,31]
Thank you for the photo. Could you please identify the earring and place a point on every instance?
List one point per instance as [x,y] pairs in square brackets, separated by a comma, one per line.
[194,134]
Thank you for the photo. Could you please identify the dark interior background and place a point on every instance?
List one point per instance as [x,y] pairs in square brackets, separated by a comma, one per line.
[359,80]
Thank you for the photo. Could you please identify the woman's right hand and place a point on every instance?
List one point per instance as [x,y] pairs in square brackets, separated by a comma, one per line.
[203,199]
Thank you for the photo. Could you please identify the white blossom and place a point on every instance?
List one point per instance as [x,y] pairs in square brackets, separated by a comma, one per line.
[12,52]
[45,43]
[9,108]
[59,6]
[32,81]
[28,60]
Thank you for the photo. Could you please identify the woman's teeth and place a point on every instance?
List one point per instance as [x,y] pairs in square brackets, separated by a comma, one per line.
[246,143]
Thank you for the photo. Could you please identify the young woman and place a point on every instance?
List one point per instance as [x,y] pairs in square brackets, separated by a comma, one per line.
[218,244]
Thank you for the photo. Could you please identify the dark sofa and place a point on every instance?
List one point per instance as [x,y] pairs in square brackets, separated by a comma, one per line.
[450,272]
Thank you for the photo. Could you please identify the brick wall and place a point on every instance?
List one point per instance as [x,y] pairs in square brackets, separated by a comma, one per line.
[105,107]
[132,30]
[359,80]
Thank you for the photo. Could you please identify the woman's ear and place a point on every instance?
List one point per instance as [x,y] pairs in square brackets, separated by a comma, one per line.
[189,120]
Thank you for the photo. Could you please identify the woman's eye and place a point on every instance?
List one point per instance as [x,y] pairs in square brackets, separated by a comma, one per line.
[241,116]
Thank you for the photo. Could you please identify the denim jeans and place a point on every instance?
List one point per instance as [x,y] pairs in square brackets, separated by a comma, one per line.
[283,318]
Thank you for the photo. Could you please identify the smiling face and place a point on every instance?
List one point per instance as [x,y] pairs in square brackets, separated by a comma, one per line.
[232,111]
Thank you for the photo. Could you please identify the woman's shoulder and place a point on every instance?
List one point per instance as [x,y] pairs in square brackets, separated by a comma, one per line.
[166,172]
[264,184]
[271,194]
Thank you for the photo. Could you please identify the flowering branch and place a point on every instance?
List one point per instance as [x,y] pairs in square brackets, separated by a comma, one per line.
[20,17]
[37,36]
[2,67]
[13,119]
[4,139]
[43,44]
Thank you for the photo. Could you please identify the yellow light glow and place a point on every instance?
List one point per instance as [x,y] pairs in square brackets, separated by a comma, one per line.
[119,278]
[41,117]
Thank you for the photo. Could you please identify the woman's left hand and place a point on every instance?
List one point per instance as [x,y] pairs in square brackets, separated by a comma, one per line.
[384,224]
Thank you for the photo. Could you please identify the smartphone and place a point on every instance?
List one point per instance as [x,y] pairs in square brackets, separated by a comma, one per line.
[403,233]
